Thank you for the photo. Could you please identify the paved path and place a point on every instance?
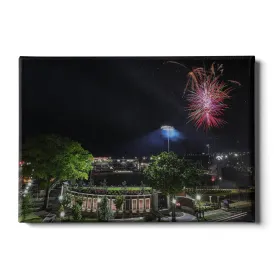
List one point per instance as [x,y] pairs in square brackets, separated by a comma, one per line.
[222,215]
[184,218]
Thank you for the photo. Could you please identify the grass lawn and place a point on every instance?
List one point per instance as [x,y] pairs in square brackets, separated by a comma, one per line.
[72,221]
[128,188]
[31,218]
[120,188]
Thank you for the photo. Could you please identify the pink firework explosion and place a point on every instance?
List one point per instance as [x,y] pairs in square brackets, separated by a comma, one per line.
[206,95]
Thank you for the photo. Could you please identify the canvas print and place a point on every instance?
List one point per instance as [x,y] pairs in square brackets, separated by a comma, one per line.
[136,139]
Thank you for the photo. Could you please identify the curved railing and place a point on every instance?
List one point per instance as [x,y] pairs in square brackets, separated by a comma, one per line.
[113,190]
[134,203]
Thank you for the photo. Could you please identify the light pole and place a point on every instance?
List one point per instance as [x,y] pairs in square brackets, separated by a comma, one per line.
[62,215]
[174,209]
[168,129]
[198,198]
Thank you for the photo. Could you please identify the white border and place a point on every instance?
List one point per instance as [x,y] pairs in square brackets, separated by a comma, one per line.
[140,28]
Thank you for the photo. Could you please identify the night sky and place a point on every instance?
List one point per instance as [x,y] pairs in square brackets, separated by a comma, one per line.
[115,106]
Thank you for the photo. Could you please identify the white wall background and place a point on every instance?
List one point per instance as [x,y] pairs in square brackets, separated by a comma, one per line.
[177,28]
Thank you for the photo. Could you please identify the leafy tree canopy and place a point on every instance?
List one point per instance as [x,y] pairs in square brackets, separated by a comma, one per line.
[52,157]
[170,174]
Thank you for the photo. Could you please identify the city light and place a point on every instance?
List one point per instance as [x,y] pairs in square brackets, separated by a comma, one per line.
[198,197]
[60,198]
[168,130]
[174,201]
[62,214]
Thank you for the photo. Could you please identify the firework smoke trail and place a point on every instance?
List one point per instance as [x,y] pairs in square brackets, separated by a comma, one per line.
[206,95]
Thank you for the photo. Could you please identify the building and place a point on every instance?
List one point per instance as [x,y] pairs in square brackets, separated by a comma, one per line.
[138,200]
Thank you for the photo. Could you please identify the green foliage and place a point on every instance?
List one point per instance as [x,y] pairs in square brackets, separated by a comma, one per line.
[26,206]
[119,200]
[53,158]
[104,211]
[66,200]
[30,218]
[170,174]
[78,200]
[77,212]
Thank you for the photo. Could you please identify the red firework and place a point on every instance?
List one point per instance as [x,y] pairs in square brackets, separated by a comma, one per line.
[206,95]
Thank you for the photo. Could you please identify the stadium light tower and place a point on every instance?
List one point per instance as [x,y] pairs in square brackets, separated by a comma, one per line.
[168,129]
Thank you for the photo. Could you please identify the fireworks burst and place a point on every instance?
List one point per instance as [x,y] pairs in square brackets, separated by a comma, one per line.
[206,93]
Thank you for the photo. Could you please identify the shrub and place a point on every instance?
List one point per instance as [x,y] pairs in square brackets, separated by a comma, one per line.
[77,215]
[119,201]
[26,207]
[104,212]
[149,218]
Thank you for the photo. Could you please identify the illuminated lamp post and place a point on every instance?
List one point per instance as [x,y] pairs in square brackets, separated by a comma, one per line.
[198,198]
[62,215]
[168,129]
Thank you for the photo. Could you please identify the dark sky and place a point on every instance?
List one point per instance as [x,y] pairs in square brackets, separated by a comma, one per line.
[115,106]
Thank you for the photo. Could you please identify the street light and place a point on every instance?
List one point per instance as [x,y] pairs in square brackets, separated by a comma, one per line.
[168,129]
[219,157]
[62,214]
[198,198]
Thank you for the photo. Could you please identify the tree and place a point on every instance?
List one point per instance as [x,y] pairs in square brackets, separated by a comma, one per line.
[119,200]
[53,159]
[170,174]
[26,206]
[104,211]
[77,210]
